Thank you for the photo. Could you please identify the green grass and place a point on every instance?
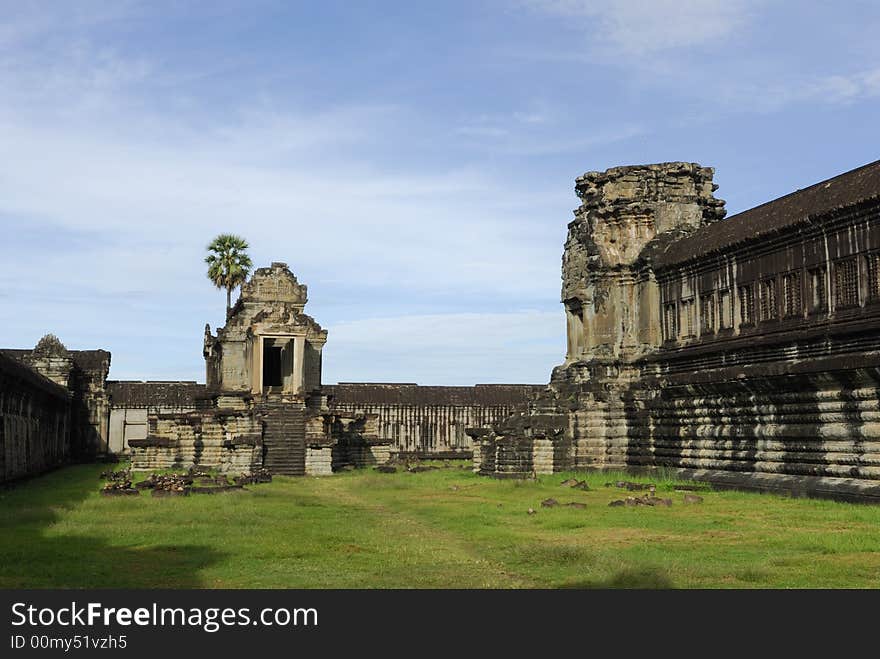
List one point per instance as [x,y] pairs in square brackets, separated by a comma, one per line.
[437,529]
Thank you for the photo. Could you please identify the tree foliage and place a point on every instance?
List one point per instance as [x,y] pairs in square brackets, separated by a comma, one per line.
[228,263]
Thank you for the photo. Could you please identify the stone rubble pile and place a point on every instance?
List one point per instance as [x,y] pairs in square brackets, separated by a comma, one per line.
[119,488]
[644,500]
[261,475]
[575,484]
[193,481]
[632,487]
[119,485]
[116,475]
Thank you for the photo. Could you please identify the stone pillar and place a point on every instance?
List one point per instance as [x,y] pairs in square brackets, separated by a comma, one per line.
[298,362]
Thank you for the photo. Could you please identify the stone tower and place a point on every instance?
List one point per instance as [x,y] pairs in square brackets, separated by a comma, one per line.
[612,305]
[610,297]
[269,346]
[263,404]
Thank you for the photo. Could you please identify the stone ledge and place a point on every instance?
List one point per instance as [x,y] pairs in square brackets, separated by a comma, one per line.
[148,442]
[819,487]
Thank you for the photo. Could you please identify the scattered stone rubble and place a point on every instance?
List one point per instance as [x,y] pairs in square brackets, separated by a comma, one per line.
[119,488]
[119,485]
[261,475]
[633,487]
[192,481]
[116,475]
[645,500]
[575,484]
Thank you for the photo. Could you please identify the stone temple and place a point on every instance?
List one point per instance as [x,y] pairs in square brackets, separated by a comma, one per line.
[744,351]
[740,350]
[262,405]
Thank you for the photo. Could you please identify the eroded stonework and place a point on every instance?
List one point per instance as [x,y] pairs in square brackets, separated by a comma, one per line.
[743,351]
[263,404]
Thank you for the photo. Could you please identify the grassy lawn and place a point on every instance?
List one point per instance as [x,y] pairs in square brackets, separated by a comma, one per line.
[437,529]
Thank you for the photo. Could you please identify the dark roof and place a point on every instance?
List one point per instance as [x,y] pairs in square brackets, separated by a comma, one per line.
[835,193]
[19,370]
[83,359]
[411,394]
[133,393]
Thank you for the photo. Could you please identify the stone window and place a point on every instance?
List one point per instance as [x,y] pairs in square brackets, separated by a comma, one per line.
[707,313]
[688,318]
[670,322]
[791,295]
[746,305]
[872,263]
[725,310]
[818,292]
[846,284]
[768,299]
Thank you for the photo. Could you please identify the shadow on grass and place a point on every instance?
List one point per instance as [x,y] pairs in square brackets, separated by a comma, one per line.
[31,557]
[646,578]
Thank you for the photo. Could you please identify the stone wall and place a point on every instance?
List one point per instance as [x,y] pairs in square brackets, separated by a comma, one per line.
[227,440]
[741,351]
[83,373]
[131,402]
[90,427]
[319,461]
[34,421]
[429,421]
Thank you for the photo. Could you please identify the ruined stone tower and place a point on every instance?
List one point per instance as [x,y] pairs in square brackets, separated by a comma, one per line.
[744,351]
[610,296]
[263,404]
[612,308]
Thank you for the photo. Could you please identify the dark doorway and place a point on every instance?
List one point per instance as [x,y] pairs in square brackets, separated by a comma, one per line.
[271,366]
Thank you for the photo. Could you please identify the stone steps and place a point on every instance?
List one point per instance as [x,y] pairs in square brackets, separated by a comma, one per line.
[284,439]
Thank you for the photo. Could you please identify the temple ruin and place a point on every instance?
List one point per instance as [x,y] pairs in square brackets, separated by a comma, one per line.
[263,404]
[742,351]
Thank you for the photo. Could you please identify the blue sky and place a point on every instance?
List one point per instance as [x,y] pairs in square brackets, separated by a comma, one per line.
[413,162]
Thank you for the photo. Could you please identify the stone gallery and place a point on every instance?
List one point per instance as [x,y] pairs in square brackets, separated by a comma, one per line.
[742,351]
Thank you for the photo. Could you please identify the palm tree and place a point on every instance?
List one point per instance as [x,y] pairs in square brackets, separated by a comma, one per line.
[228,263]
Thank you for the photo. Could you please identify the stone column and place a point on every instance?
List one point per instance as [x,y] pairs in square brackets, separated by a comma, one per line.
[298,363]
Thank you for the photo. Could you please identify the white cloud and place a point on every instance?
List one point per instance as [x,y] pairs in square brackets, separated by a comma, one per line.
[771,96]
[640,28]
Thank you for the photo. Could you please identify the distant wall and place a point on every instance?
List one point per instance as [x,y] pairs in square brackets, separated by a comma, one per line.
[131,402]
[34,418]
[430,421]
[84,374]
[416,420]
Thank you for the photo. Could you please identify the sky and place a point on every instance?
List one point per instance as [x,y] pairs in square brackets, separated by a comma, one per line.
[413,162]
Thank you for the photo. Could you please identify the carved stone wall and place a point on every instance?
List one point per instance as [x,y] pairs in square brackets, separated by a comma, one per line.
[268,314]
[426,421]
[34,421]
[83,374]
[131,402]
[743,351]
[262,405]
[227,440]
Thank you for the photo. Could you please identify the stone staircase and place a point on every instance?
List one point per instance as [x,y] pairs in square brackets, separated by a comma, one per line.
[284,438]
